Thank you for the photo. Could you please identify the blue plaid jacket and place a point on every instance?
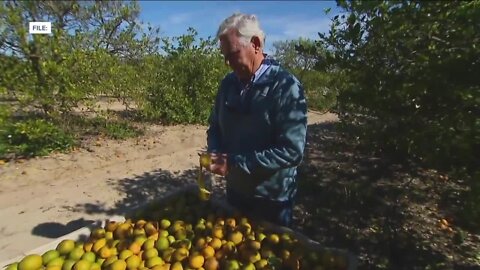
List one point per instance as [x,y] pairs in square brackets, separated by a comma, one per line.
[263,133]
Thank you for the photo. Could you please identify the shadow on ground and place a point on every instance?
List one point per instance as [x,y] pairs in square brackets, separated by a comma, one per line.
[55,229]
[141,190]
[386,213]
[138,191]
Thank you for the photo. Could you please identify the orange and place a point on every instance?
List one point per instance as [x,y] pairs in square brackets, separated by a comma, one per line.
[196,261]
[208,251]
[216,243]
[135,247]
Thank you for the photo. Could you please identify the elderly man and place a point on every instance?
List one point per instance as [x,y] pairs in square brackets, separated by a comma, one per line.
[257,131]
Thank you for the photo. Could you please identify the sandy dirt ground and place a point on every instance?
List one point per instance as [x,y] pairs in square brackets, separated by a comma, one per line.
[44,198]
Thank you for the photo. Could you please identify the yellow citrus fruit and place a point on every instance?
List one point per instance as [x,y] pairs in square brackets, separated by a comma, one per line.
[140,239]
[99,244]
[124,254]
[109,261]
[54,267]
[124,230]
[138,232]
[204,194]
[246,228]
[254,257]
[111,226]
[114,242]
[162,243]
[68,264]
[82,265]
[165,223]
[150,228]
[133,262]
[261,264]
[140,224]
[180,254]
[201,242]
[151,262]
[167,254]
[30,262]
[255,245]
[76,253]
[274,238]
[89,256]
[50,255]
[218,232]
[231,222]
[148,244]
[65,246]
[135,247]
[211,264]
[99,261]
[176,266]
[216,243]
[14,266]
[249,266]
[154,236]
[171,239]
[121,245]
[284,254]
[229,247]
[56,262]
[163,233]
[220,221]
[196,261]
[118,265]
[208,251]
[236,237]
[162,267]
[232,265]
[88,246]
[105,252]
[205,160]
[98,233]
[109,235]
[150,253]
[95,266]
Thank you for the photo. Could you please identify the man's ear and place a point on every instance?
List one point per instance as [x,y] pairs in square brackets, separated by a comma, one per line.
[255,41]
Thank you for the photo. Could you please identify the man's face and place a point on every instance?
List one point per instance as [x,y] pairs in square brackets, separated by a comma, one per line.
[238,56]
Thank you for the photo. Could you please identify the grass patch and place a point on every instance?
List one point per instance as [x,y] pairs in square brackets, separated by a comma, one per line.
[28,135]
[121,130]
[33,137]
[101,126]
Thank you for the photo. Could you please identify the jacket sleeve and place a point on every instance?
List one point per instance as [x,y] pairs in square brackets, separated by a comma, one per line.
[290,135]
[214,135]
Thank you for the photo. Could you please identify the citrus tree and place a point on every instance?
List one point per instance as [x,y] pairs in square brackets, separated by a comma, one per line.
[95,48]
[413,79]
[302,57]
[187,76]
[78,61]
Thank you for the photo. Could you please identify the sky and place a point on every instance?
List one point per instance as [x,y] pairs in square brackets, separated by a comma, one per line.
[280,20]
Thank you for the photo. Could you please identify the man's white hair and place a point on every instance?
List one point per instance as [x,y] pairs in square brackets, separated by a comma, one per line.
[247,26]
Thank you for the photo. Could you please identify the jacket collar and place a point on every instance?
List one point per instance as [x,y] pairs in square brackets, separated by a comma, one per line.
[268,76]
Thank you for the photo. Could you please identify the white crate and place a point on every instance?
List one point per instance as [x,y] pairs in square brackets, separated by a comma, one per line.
[84,232]
[79,234]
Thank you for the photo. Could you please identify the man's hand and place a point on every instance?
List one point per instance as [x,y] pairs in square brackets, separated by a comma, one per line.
[218,164]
